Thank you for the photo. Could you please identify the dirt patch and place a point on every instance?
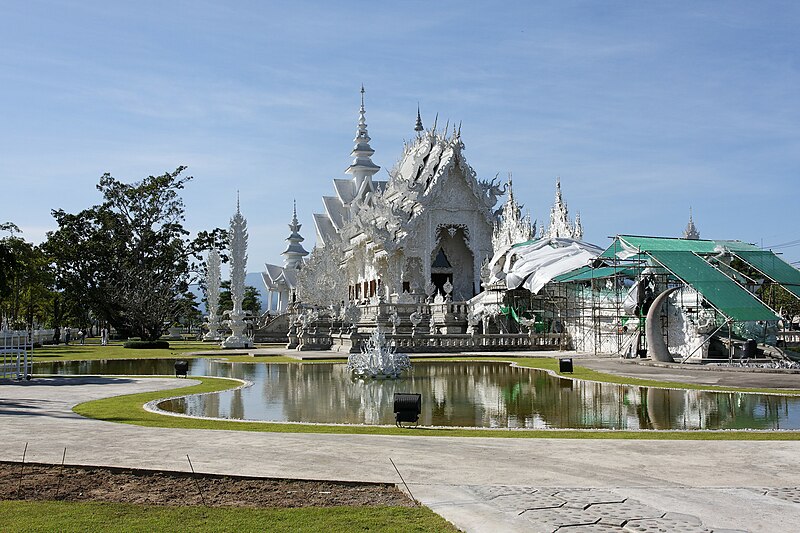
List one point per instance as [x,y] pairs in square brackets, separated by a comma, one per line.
[78,483]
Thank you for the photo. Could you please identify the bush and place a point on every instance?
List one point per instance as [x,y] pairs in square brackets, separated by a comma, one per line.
[145,345]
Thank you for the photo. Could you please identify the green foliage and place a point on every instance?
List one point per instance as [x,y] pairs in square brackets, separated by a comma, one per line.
[110,517]
[781,300]
[129,260]
[146,345]
[26,282]
[250,302]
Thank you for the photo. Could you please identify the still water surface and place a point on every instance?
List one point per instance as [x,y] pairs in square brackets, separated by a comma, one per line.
[474,394]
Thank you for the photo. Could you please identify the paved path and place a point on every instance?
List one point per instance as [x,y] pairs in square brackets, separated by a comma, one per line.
[479,484]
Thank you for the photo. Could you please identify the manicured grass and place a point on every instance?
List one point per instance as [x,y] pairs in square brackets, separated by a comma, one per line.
[111,517]
[129,409]
[586,374]
[90,351]
[183,349]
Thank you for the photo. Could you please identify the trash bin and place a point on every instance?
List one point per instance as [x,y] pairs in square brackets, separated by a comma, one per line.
[565,365]
[407,407]
[750,349]
[181,368]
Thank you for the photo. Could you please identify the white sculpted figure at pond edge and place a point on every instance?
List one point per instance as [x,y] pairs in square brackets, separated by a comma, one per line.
[212,295]
[394,318]
[378,359]
[238,241]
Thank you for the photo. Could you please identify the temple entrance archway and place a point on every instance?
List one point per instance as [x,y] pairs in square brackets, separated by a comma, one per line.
[452,260]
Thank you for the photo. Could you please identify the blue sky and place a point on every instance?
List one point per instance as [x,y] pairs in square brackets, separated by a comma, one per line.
[642,109]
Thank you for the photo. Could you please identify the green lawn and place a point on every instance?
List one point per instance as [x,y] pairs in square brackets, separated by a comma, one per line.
[93,350]
[110,517]
[184,349]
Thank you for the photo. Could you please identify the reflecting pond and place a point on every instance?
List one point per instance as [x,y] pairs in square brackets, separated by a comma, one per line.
[470,394]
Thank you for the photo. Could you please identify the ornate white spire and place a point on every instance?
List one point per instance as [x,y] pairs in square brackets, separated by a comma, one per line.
[691,233]
[578,227]
[418,127]
[362,167]
[294,252]
[512,227]
[560,225]
[212,294]
[238,242]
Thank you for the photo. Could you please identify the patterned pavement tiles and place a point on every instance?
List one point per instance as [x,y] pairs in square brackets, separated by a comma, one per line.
[595,510]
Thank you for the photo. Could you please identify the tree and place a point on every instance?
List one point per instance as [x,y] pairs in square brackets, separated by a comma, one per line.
[130,260]
[26,282]
[250,302]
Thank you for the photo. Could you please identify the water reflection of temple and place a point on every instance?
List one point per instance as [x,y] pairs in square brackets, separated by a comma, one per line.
[482,394]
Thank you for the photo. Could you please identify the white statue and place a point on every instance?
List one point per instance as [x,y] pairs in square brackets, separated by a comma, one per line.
[238,241]
[378,359]
[212,295]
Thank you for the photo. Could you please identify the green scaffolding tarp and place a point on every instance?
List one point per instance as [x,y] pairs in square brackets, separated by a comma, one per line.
[510,311]
[728,297]
[668,244]
[774,268]
[587,273]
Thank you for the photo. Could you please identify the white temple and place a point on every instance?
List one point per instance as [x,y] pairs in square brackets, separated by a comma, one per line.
[431,222]
[282,280]
[405,254]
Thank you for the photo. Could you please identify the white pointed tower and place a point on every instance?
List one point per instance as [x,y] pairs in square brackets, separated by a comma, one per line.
[560,225]
[512,227]
[691,233]
[212,295]
[294,253]
[238,242]
[362,167]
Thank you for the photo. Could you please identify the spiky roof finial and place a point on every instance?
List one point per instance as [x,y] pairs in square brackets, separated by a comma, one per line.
[362,166]
[691,232]
[418,127]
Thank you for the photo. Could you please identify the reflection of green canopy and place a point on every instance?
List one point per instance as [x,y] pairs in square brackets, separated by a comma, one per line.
[774,268]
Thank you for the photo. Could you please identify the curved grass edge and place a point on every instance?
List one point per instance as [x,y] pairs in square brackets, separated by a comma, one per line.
[129,409]
[582,373]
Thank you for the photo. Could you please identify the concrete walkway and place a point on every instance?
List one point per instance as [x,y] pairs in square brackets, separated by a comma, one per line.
[479,484]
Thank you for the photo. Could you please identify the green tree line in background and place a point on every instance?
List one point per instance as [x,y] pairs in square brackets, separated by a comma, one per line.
[125,263]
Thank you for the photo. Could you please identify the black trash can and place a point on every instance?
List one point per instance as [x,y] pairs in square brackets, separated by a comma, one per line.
[565,365]
[181,368]
[750,349]
[407,407]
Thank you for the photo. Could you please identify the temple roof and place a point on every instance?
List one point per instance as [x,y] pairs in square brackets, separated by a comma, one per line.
[362,201]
